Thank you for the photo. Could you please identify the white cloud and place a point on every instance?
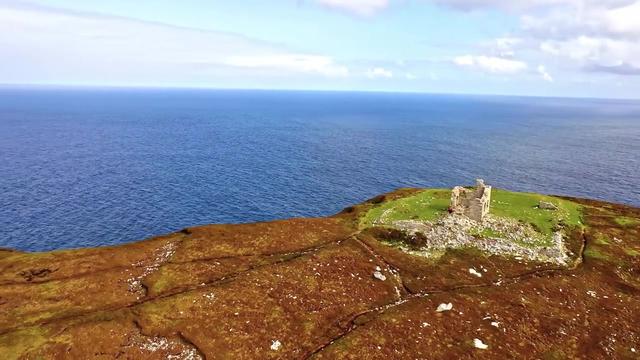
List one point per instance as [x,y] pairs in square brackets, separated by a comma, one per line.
[589,35]
[593,19]
[490,64]
[573,35]
[410,76]
[504,46]
[565,17]
[620,69]
[624,20]
[598,52]
[527,5]
[291,62]
[379,73]
[48,45]
[543,72]
[357,7]
[596,36]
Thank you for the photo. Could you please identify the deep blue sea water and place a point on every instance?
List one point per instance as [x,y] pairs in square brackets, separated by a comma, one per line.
[95,167]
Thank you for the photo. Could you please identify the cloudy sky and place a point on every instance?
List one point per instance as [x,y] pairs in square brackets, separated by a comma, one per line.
[526,47]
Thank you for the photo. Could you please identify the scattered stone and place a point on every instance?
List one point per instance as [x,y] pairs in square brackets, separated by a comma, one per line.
[444,307]
[479,344]
[547,205]
[162,344]
[29,275]
[455,231]
[473,271]
[275,345]
[495,324]
[156,343]
[378,275]
[591,293]
[161,256]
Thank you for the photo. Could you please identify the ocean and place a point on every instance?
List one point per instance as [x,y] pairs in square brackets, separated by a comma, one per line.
[91,167]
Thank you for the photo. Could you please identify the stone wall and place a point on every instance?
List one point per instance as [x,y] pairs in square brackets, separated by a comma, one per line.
[473,203]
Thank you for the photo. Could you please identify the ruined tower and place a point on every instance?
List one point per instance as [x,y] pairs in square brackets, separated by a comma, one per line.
[473,203]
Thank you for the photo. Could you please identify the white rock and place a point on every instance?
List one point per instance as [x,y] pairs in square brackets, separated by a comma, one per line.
[444,307]
[380,276]
[473,271]
[275,345]
[547,205]
[479,344]
[495,323]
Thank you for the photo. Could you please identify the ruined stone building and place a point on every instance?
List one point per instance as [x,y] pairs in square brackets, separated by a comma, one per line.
[473,203]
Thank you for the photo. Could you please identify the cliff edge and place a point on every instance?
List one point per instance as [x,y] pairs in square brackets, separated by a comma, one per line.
[395,277]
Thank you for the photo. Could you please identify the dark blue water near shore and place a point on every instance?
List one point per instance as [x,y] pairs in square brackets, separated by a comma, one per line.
[97,167]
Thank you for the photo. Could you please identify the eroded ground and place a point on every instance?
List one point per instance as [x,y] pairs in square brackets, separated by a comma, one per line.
[305,288]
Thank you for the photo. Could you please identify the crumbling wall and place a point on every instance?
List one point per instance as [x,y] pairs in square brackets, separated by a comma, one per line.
[473,203]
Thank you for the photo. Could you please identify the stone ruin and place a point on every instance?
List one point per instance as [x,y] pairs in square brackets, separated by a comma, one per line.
[473,203]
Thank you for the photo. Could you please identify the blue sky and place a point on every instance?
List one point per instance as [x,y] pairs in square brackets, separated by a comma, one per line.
[530,47]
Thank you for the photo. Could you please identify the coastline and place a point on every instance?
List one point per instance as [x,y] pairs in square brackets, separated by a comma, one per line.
[308,284]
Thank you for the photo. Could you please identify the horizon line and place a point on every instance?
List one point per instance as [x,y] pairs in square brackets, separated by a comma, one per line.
[16,86]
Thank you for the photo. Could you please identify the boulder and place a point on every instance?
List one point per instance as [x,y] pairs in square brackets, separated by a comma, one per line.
[378,275]
[547,205]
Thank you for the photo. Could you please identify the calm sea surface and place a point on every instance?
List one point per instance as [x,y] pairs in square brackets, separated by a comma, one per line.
[96,167]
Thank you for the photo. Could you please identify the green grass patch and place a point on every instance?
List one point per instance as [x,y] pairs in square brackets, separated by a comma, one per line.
[602,240]
[486,233]
[17,344]
[594,253]
[626,221]
[430,204]
[524,207]
[554,355]
[632,252]
[490,233]
[427,205]
[163,280]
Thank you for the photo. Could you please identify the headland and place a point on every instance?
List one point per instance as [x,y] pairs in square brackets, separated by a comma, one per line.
[415,273]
